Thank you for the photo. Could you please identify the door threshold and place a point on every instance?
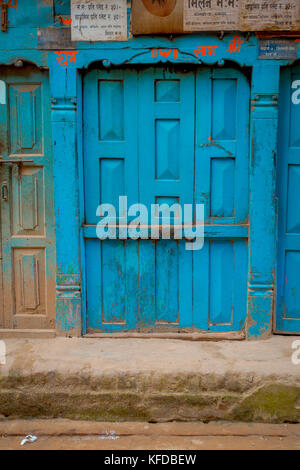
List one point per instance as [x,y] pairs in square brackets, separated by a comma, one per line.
[30,333]
[286,333]
[203,336]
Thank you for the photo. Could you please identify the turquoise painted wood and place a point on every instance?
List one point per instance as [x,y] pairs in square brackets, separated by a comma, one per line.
[26,202]
[22,41]
[288,174]
[221,184]
[164,136]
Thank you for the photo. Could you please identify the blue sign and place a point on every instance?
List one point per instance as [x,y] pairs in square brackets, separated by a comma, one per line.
[280,49]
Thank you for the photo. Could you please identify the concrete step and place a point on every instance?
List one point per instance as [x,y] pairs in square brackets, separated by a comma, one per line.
[152,380]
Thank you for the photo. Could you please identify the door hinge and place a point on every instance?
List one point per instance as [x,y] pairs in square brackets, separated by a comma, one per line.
[4,17]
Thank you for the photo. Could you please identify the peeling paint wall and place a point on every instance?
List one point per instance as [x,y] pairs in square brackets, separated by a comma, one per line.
[33,29]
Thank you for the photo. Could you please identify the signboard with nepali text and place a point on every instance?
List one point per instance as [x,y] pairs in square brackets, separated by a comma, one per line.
[277,49]
[266,15]
[242,15]
[99,20]
[175,16]
[208,15]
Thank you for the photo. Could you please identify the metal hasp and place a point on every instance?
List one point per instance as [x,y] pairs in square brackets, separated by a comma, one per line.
[4,192]
[4,17]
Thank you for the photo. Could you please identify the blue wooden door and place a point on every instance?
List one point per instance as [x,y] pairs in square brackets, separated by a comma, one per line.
[26,201]
[163,136]
[288,188]
[221,184]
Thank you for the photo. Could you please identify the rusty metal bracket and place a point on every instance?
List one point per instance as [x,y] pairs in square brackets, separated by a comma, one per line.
[4,17]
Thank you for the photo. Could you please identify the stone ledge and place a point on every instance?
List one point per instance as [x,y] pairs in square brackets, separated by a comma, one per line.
[269,403]
[154,380]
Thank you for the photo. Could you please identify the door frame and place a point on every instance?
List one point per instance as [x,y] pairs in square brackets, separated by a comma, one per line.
[240,231]
[66,85]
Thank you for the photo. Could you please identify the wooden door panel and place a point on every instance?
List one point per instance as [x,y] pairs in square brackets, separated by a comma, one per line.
[288,184]
[27,213]
[161,136]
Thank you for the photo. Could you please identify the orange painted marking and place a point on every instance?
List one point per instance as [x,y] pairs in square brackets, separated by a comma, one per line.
[235,45]
[205,49]
[62,57]
[66,21]
[165,53]
[12,4]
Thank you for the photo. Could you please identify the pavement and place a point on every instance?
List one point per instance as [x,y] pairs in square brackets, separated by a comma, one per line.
[152,380]
[85,435]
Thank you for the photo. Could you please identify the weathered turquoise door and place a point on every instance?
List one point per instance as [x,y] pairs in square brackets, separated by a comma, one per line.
[288,185]
[26,201]
[167,136]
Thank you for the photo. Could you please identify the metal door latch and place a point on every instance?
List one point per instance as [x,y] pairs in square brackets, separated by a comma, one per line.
[4,192]
[4,17]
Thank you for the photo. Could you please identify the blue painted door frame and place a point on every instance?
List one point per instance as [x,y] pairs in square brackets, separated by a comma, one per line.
[67,136]
[146,136]
[288,181]
[262,216]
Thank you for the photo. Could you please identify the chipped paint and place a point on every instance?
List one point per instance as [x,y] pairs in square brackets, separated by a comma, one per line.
[68,312]
[66,116]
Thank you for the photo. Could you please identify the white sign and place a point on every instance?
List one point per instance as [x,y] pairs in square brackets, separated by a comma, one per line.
[99,20]
[241,15]
[262,15]
[211,15]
